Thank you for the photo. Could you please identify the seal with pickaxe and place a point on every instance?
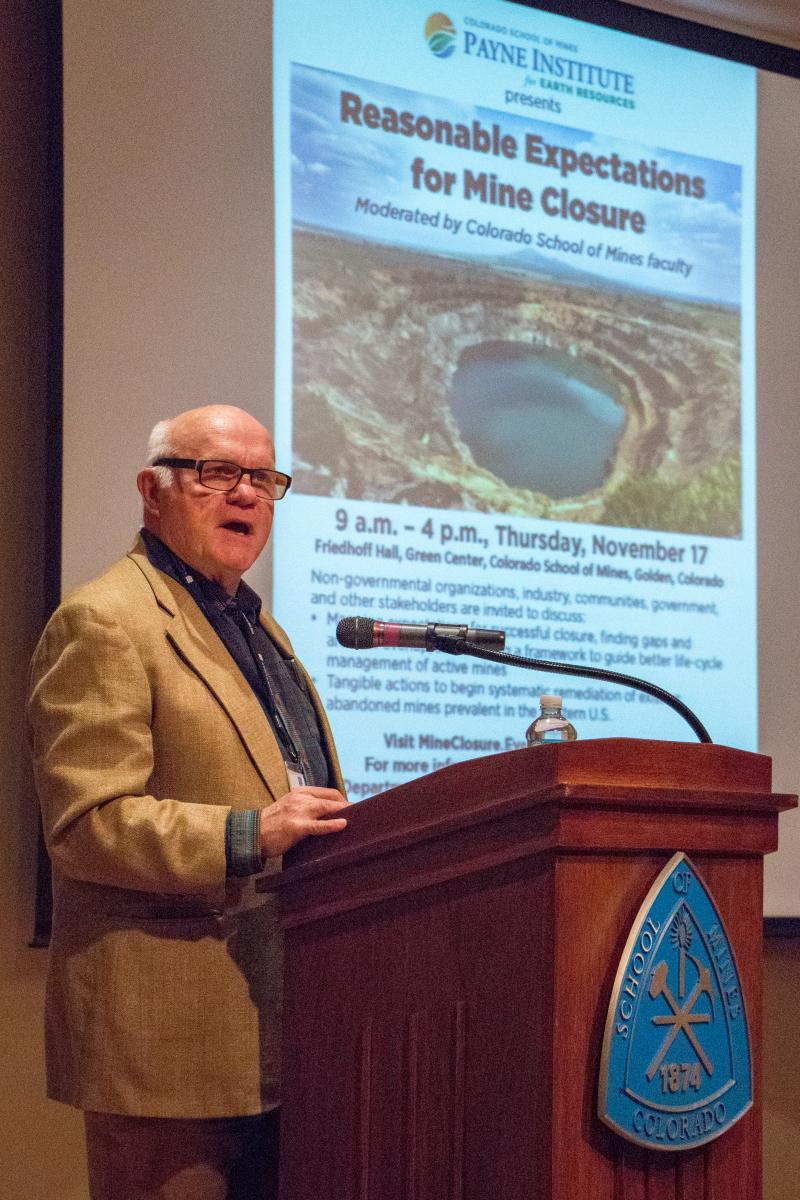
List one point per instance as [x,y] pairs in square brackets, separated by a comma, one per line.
[683,1016]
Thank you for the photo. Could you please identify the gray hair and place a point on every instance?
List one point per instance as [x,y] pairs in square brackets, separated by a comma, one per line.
[160,445]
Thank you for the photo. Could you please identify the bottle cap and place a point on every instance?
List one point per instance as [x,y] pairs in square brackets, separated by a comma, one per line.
[551,701]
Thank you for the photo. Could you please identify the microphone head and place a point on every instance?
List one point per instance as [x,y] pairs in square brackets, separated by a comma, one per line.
[356,633]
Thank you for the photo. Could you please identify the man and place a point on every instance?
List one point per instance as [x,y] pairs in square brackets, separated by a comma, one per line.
[179,751]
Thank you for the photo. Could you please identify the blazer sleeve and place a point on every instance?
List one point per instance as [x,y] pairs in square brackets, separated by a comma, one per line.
[90,709]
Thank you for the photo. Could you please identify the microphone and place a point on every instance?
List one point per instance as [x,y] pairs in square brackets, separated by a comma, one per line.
[361,633]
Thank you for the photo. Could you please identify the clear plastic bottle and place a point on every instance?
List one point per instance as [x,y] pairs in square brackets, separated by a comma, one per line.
[551,725]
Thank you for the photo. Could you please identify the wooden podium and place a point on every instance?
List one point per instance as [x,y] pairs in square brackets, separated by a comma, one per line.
[449,963]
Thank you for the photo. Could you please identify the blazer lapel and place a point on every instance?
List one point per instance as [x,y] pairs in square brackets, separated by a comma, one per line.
[199,646]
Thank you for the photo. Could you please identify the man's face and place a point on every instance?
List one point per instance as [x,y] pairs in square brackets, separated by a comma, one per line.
[221,534]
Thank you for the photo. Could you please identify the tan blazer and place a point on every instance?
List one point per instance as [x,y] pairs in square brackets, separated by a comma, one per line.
[164,987]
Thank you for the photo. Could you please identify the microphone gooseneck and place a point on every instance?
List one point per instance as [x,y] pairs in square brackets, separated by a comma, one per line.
[362,633]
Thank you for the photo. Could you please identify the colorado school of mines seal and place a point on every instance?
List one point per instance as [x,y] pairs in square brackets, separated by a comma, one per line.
[675,1070]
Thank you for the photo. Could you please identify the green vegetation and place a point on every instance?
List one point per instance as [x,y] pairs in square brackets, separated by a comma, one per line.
[709,504]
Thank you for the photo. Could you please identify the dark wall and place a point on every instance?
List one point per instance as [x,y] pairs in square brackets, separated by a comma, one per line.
[40,1150]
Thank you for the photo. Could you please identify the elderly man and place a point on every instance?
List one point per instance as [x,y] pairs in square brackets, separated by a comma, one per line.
[179,749]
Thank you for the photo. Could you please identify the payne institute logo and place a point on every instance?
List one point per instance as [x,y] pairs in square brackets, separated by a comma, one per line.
[675,1070]
[440,34]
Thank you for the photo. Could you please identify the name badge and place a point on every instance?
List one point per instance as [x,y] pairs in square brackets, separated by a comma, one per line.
[295,773]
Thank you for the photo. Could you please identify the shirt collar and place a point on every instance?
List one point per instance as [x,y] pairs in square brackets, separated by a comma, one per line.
[211,596]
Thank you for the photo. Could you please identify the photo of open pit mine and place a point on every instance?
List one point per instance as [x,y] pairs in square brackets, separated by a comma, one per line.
[509,388]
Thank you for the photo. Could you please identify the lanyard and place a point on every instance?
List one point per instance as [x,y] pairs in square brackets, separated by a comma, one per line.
[276,716]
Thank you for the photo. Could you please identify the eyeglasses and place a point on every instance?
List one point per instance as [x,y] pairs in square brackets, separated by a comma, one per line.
[221,476]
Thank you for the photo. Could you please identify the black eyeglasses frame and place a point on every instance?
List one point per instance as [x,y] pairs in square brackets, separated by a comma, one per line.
[197,464]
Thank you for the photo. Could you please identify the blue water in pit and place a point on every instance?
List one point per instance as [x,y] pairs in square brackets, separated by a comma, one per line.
[538,419]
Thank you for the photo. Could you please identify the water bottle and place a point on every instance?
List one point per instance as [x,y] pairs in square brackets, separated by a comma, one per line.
[551,725]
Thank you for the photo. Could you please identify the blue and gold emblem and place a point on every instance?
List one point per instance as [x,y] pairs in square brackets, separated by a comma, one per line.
[676,1070]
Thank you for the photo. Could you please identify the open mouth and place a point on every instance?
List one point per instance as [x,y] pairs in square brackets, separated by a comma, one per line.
[240,527]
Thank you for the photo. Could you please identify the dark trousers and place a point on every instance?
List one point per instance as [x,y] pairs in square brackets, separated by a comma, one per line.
[155,1158]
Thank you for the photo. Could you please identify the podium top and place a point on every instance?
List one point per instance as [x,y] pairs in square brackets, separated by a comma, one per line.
[628,773]
[609,795]
[637,762]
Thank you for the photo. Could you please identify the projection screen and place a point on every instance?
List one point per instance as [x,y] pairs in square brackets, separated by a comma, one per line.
[513,290]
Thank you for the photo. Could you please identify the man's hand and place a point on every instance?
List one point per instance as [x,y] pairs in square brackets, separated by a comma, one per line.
[297,815]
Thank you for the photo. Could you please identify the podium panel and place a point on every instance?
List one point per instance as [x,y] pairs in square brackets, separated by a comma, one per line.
[449,962]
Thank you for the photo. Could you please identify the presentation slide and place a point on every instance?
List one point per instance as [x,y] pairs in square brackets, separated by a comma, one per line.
[515,372]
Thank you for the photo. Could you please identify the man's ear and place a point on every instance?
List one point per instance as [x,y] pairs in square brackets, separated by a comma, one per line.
[150,491]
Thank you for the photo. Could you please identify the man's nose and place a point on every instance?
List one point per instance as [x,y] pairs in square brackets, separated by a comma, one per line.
[244,492]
